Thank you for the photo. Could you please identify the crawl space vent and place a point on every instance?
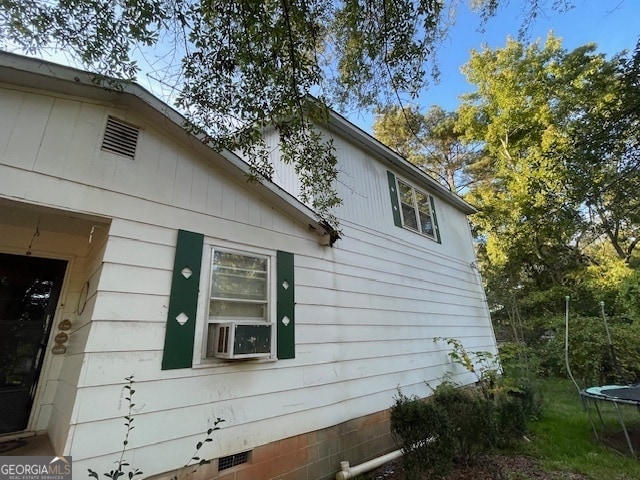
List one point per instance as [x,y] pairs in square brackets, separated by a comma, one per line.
[225,463]
[120,138]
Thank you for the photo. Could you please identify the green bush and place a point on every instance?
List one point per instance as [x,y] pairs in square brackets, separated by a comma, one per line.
[472,419]
[421,428]
[519,384]
[455,425]
[461,424]
[590,356]
[511,421]
[628,298]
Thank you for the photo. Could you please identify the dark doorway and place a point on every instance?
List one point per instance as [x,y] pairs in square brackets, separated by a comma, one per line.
[29,292]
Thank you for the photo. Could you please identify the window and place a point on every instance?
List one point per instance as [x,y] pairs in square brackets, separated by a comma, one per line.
[413,209]
[238,286]
[238,292]
[245,296]
[416,210]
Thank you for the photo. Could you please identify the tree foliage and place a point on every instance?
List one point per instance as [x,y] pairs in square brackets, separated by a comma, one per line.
[605,152]
[526,220]
[235,67]
[558,213]
[432,142]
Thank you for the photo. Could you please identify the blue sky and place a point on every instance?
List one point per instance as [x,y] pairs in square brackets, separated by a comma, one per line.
[613,25]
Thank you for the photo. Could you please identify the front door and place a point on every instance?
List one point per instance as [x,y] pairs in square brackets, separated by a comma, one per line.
[29,291]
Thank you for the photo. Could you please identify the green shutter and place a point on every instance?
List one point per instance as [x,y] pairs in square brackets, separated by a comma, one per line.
[395,204]
[183,303]
[435,220]
[285,306]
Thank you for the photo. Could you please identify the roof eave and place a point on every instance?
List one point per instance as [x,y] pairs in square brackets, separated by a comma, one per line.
[43,75]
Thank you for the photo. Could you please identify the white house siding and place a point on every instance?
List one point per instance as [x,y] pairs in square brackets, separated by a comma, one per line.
[66,238]
[164,189]
[366,315]
[393,276]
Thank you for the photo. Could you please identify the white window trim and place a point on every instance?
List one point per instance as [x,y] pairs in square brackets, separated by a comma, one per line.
[200,358]
[430,197]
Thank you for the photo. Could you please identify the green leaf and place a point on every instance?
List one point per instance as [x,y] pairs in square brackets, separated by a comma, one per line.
[249,65]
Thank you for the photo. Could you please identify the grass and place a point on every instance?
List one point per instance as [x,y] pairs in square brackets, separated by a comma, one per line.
[563,438]
[561,444]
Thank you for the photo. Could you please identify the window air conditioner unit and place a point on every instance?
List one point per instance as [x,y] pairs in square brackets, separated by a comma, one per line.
[235,340]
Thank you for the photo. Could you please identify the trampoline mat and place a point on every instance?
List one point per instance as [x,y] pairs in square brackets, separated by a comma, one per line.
[630,393]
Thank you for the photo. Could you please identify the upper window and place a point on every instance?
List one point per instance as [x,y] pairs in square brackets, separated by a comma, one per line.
[412,208]
[417,212]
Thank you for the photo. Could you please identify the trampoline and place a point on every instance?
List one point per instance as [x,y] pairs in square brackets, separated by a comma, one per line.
[616,395]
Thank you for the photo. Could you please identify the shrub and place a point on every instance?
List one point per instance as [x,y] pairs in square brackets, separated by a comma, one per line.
[460,424]
[453,425]
[422,429]
[471,417]
[519,384]
[590,356]
[628,298]
[511,421]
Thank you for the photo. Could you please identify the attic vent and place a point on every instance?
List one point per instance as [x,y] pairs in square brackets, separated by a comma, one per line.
[225,463]
[120,138]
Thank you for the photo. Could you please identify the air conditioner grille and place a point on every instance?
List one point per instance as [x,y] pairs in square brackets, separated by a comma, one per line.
[239,340]
[120,138]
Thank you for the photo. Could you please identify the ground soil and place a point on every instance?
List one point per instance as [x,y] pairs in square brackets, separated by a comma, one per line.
[490,467]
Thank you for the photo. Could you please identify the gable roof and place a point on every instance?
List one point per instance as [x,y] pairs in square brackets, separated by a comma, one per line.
[43,75]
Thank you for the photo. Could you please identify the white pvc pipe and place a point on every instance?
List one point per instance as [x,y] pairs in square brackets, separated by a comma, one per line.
[347,472]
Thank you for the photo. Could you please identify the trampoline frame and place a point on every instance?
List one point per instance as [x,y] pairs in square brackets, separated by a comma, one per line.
[598,394]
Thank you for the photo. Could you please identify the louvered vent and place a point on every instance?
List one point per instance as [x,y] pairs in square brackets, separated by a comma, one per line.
[224,463]
[120,138]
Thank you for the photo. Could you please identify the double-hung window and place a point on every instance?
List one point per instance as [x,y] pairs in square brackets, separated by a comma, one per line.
[413,208]
[417,210]
[239,292]
[242,301]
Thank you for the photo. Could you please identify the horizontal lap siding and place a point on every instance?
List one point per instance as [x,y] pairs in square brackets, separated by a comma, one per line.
[127,338]
[367,310]
[380,307]
[363,330]
[50,155]
[299,389]
[358,340]
[389,269]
